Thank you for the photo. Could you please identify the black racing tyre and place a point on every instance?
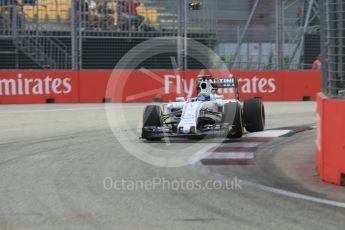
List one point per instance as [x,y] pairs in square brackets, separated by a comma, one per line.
[152,117]
[233,114]
[254,115]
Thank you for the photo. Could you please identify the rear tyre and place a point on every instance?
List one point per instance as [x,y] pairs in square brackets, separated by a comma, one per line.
[254,115]
[233,115]
[152,117]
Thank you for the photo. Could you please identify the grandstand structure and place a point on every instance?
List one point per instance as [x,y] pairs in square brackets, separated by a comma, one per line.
[247,34]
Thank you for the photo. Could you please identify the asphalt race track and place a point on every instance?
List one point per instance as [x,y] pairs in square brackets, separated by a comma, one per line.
[73,167]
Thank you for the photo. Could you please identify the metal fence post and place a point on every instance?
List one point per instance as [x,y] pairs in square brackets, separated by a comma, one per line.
[13,10]
[74,36]
[185,35]
[279,34]
[324,46]
[180,43]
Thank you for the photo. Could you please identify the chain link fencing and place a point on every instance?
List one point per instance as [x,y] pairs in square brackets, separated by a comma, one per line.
[333,47]
[96,34]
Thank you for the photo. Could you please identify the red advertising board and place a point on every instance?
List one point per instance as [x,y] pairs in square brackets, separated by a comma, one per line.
[146,85]
[93,85]
[265,84]
[20,87]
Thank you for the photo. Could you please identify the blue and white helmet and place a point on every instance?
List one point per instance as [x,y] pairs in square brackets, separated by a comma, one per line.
[204,95]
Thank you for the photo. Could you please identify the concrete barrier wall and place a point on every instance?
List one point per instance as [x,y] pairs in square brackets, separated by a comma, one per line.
[17,87]
[330,153]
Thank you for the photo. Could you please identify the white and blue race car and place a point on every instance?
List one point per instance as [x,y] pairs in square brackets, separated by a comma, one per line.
[208,114]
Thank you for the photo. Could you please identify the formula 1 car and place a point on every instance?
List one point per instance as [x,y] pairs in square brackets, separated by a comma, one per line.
[207,114]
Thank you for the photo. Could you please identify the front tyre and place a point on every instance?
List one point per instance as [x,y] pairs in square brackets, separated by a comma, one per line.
[254,115]
[152,118]
[233,115]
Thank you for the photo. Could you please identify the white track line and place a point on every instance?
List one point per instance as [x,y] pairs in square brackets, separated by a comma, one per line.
[204,152]
[201,154]
[286,193]
[104,107]
[240,144]
[269,133]
[51,110]
[230,155]
[295,195]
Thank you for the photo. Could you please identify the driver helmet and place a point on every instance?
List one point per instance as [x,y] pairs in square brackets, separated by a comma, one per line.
[204,95]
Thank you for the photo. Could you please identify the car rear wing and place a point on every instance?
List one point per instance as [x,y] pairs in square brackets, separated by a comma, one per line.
[223,83]
[218,83]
